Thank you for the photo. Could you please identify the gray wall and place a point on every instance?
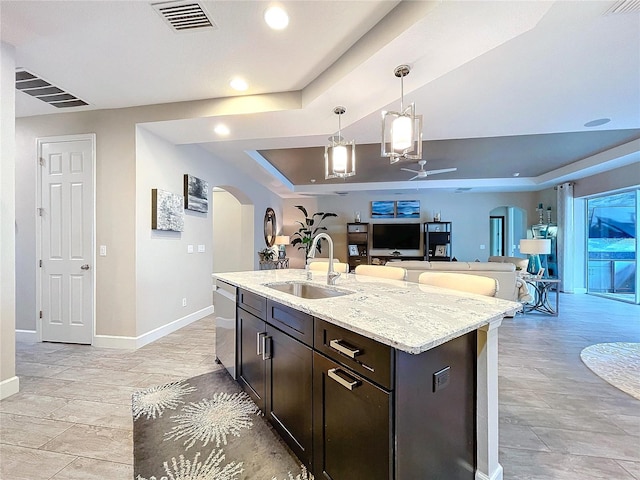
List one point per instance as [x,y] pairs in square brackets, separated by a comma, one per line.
[124,291]
[618,179]
[469,213]
[8,382]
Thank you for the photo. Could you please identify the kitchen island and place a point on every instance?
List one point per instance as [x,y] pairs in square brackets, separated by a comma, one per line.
[423,361]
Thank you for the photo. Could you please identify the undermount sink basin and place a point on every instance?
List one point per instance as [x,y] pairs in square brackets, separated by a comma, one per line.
[307,290]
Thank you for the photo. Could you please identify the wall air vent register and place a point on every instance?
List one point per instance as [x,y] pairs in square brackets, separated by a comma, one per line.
[35,86]
[184,16]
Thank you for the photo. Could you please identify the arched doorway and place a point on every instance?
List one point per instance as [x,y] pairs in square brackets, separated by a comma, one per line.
[233,230]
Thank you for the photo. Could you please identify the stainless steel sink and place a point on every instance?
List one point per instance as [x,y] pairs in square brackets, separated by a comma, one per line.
[307,290]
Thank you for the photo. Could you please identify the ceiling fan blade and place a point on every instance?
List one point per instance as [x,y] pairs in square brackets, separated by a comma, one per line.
[442,170]
[409,170]
[413,178]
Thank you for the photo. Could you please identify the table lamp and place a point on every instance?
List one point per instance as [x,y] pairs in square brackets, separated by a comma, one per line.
[281,241]
[535,247]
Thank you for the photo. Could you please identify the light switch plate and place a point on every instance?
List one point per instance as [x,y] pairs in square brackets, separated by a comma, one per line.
[189,248]
[103,250]
[200,248]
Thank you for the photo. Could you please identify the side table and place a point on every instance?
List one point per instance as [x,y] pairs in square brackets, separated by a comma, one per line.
[542,287]
[278,263]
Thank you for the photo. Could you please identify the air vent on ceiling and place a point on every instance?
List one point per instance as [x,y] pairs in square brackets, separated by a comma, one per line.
[184,16]
[623,6]
[35,86]
[462,189]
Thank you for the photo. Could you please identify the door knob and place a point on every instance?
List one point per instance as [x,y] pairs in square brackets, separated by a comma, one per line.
[85,266]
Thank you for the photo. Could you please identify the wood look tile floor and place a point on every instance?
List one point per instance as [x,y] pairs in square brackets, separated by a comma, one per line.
[71,419]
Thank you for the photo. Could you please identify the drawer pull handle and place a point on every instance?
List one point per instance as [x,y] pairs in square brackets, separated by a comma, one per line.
[266,347]
[349,384]
[349,352]
[259,342]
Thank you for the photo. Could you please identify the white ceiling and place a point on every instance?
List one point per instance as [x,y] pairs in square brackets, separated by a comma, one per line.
[480,70]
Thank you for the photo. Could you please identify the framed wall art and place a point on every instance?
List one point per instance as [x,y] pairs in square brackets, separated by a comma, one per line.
[408,209]
[383,209]
[196,194]
[167,211]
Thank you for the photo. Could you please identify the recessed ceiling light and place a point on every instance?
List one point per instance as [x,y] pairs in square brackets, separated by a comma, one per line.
[313,180]
[276,17]
[238,84]
[222,129]
[597,122]
[517,174]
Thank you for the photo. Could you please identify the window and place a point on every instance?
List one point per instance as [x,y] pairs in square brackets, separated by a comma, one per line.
[612,253]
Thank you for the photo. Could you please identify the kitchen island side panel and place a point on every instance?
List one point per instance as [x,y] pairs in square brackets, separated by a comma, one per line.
[436,411]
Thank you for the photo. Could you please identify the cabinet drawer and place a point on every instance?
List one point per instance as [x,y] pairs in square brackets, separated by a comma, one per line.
[252,303]
[358,238]
[364,355]
[358,260]
[293,322]
[352,425]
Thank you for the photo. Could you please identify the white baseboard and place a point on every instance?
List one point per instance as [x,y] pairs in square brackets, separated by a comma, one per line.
[576,291]
[496,475]
[9,387]
[131,343]
[26,336]
[114,341]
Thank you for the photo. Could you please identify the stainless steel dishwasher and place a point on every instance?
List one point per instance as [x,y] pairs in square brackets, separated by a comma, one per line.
[224,304]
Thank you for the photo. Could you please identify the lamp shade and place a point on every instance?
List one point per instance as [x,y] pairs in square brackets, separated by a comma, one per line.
[401,130]
[282,240]
[339,155]
[535,246]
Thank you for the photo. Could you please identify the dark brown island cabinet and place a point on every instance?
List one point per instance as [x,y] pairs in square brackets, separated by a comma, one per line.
[352,408]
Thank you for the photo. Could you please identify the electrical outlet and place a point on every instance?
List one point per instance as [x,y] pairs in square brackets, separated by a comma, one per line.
[189,248]
[441,378]
[184,302]
[482,247]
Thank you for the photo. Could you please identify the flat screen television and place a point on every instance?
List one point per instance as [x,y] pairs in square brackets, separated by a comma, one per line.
[396,236]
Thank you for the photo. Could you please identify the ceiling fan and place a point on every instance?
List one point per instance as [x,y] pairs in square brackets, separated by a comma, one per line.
[422,173]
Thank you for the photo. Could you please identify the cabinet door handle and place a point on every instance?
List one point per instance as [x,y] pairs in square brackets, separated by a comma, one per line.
[349,352]
[349,384]
[259,342]
[266,342]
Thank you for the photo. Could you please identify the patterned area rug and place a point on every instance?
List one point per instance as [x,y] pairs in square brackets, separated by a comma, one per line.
[617,363]
[206,428]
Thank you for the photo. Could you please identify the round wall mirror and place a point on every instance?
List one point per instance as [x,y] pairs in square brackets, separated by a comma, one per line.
[269,227]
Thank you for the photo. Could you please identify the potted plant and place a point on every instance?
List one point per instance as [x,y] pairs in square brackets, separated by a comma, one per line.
[266,254]
[309,229]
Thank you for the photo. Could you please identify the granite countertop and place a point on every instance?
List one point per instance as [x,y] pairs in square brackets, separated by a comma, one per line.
[405,315]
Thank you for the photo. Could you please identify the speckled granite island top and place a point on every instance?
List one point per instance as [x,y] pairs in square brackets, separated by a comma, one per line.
[405,315]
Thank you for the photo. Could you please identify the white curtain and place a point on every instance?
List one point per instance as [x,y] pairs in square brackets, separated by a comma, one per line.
[566,238]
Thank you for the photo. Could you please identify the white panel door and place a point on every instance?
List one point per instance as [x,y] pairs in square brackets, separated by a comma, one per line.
[66,169]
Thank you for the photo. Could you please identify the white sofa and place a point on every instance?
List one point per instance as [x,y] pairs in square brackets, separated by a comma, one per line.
[510,286]
[520,263]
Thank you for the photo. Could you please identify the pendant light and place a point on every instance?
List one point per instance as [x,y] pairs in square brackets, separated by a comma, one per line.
[402,131]
[339,159]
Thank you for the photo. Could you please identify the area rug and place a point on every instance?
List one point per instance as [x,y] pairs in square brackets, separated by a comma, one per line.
[206,428]
[616,363]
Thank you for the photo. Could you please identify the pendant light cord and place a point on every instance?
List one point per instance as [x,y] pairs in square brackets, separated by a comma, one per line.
[401,94]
